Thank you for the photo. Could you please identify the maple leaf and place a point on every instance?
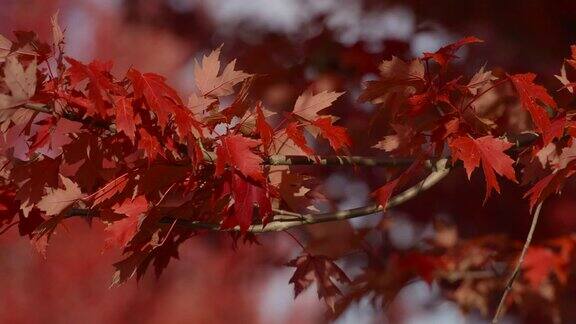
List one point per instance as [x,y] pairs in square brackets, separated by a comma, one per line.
[531,95]
[547,186]
[403,141]
[125,118]
[128,267]
[564,79]
[20,81]
[57,200]
[397,78]
[297,136]
[384,193]
[397,69]
[53,135]
[447,53]
[32,183]
[308,104]
[567,157]
[236,151]
[479,80]
[419,103]
[42,234]
[5,46]
[489,152]
[122,231]
[538,264]
[248,197]
[185,122]
[160,97]
[99,82]
[210,83]
[263,128]
[111,189]
[319,269]
[199,105]
[57,34]
[336,135]
[149,144]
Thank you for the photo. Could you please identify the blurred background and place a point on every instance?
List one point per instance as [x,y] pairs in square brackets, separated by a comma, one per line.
[294,45]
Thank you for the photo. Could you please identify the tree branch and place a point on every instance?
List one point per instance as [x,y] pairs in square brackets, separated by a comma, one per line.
[336,160]
[281,223]
[514,274]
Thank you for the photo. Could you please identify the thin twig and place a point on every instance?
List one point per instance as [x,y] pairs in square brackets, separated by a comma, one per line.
[336,160]
[518,266]
[441,170]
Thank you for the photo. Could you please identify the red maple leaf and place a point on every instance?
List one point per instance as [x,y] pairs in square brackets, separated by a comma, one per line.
[486,150]
[264,129]
[547,186]
[111,189]
[541,262]
[319,269]
[295,134]
[236,151]
[336,135]
[384,193]
[532,96]
[185,122]
[122,231]
[160,97]
[99,82]
[126,121]
[249,200]
[447,53]
[149,144]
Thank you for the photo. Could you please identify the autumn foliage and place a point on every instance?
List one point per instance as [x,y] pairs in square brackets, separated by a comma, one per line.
[158,169]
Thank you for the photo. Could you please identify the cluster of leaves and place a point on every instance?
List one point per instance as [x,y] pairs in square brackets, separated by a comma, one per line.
[79,141]
[128,151]
[435,114]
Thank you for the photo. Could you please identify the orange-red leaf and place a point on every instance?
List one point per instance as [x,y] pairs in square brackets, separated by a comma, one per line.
[296,135]
[336,135]
[383,194]
[122,231]
[160,97]
[236,151]
[149,144]
[541,262]
[447,53]
[489,152]
[264,129]
[99,82]
[125,119]
[249,199]
[532,96]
